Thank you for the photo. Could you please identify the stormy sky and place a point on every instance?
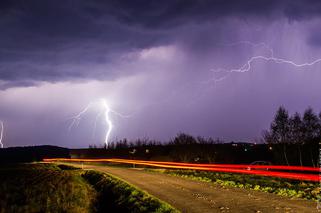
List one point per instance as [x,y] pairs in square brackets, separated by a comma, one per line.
[168,66]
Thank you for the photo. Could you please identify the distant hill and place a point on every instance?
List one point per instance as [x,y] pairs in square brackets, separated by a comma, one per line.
[32,153]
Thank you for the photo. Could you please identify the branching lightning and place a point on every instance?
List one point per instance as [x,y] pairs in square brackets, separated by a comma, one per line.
[247,65]
[108,121]
[1,133]
[76,119]
[105,111]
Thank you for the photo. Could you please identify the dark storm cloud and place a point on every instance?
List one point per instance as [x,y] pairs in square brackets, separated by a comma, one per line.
[157,60]
[47,41]
[20,83]
[154,13]
[50,41]
[301,9]
[314,38]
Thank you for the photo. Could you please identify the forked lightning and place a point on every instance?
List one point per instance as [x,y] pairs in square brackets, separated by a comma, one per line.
[105,111]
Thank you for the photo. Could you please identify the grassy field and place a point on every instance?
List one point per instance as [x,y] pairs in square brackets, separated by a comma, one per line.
[284,187]
[40,187]
[43,188]
[116,195]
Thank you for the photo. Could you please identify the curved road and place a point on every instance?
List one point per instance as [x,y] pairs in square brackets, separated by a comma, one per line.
[195,196]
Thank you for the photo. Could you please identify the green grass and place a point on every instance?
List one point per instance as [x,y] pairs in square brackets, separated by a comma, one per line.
[43,188]
[40,187]
[283,187]
[116,195]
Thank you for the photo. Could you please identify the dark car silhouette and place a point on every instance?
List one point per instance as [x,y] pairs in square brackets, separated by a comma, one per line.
[259,163]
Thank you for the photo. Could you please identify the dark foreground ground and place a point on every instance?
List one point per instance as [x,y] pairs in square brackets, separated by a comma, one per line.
[195,196]
[42,187]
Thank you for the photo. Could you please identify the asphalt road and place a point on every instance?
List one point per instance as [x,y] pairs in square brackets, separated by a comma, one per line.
[195,196]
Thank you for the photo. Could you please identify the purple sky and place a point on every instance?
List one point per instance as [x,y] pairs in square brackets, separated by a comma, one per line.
[165,63]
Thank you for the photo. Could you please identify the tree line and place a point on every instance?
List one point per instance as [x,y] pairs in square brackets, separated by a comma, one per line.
[296,136]
[290,140]
[182,148]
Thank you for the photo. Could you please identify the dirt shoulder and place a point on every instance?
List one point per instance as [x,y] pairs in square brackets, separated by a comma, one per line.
[195,196]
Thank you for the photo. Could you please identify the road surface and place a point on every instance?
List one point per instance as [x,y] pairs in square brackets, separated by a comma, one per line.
[195,196]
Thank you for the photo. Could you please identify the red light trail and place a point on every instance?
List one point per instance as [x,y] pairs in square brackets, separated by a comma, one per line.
[235,166]
[229,168]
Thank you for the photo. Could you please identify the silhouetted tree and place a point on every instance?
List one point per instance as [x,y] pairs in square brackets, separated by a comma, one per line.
[206,151]
[183,139]
[92,146]
[279,130]
[311,130]
[268,137]
[185,149]
[296,133]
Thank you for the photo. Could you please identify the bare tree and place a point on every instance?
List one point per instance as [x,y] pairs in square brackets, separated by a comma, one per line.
[279,131]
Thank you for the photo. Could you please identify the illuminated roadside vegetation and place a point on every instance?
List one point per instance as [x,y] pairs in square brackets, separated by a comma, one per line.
[39,187]
[115,195]
[289,188]
[43,188]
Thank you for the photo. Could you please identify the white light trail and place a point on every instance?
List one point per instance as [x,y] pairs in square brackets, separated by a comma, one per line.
[247,66]
[106,110]
[1,133]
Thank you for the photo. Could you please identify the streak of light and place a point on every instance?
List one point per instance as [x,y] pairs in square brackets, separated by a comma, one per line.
[105,111]
[229,168]
[248,64]
[235,166]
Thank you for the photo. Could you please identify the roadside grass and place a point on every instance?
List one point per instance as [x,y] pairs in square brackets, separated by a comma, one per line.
[116,195]
[283,187]
[42,187]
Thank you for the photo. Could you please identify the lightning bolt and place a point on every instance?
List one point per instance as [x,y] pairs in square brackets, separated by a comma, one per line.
[1,133]
[76,119]
[108,121]
[106,110]
[246,67]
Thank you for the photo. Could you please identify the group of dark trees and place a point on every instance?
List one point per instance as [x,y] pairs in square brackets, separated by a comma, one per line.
[181,148]
[32,153]
[291,140]
[296,138]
